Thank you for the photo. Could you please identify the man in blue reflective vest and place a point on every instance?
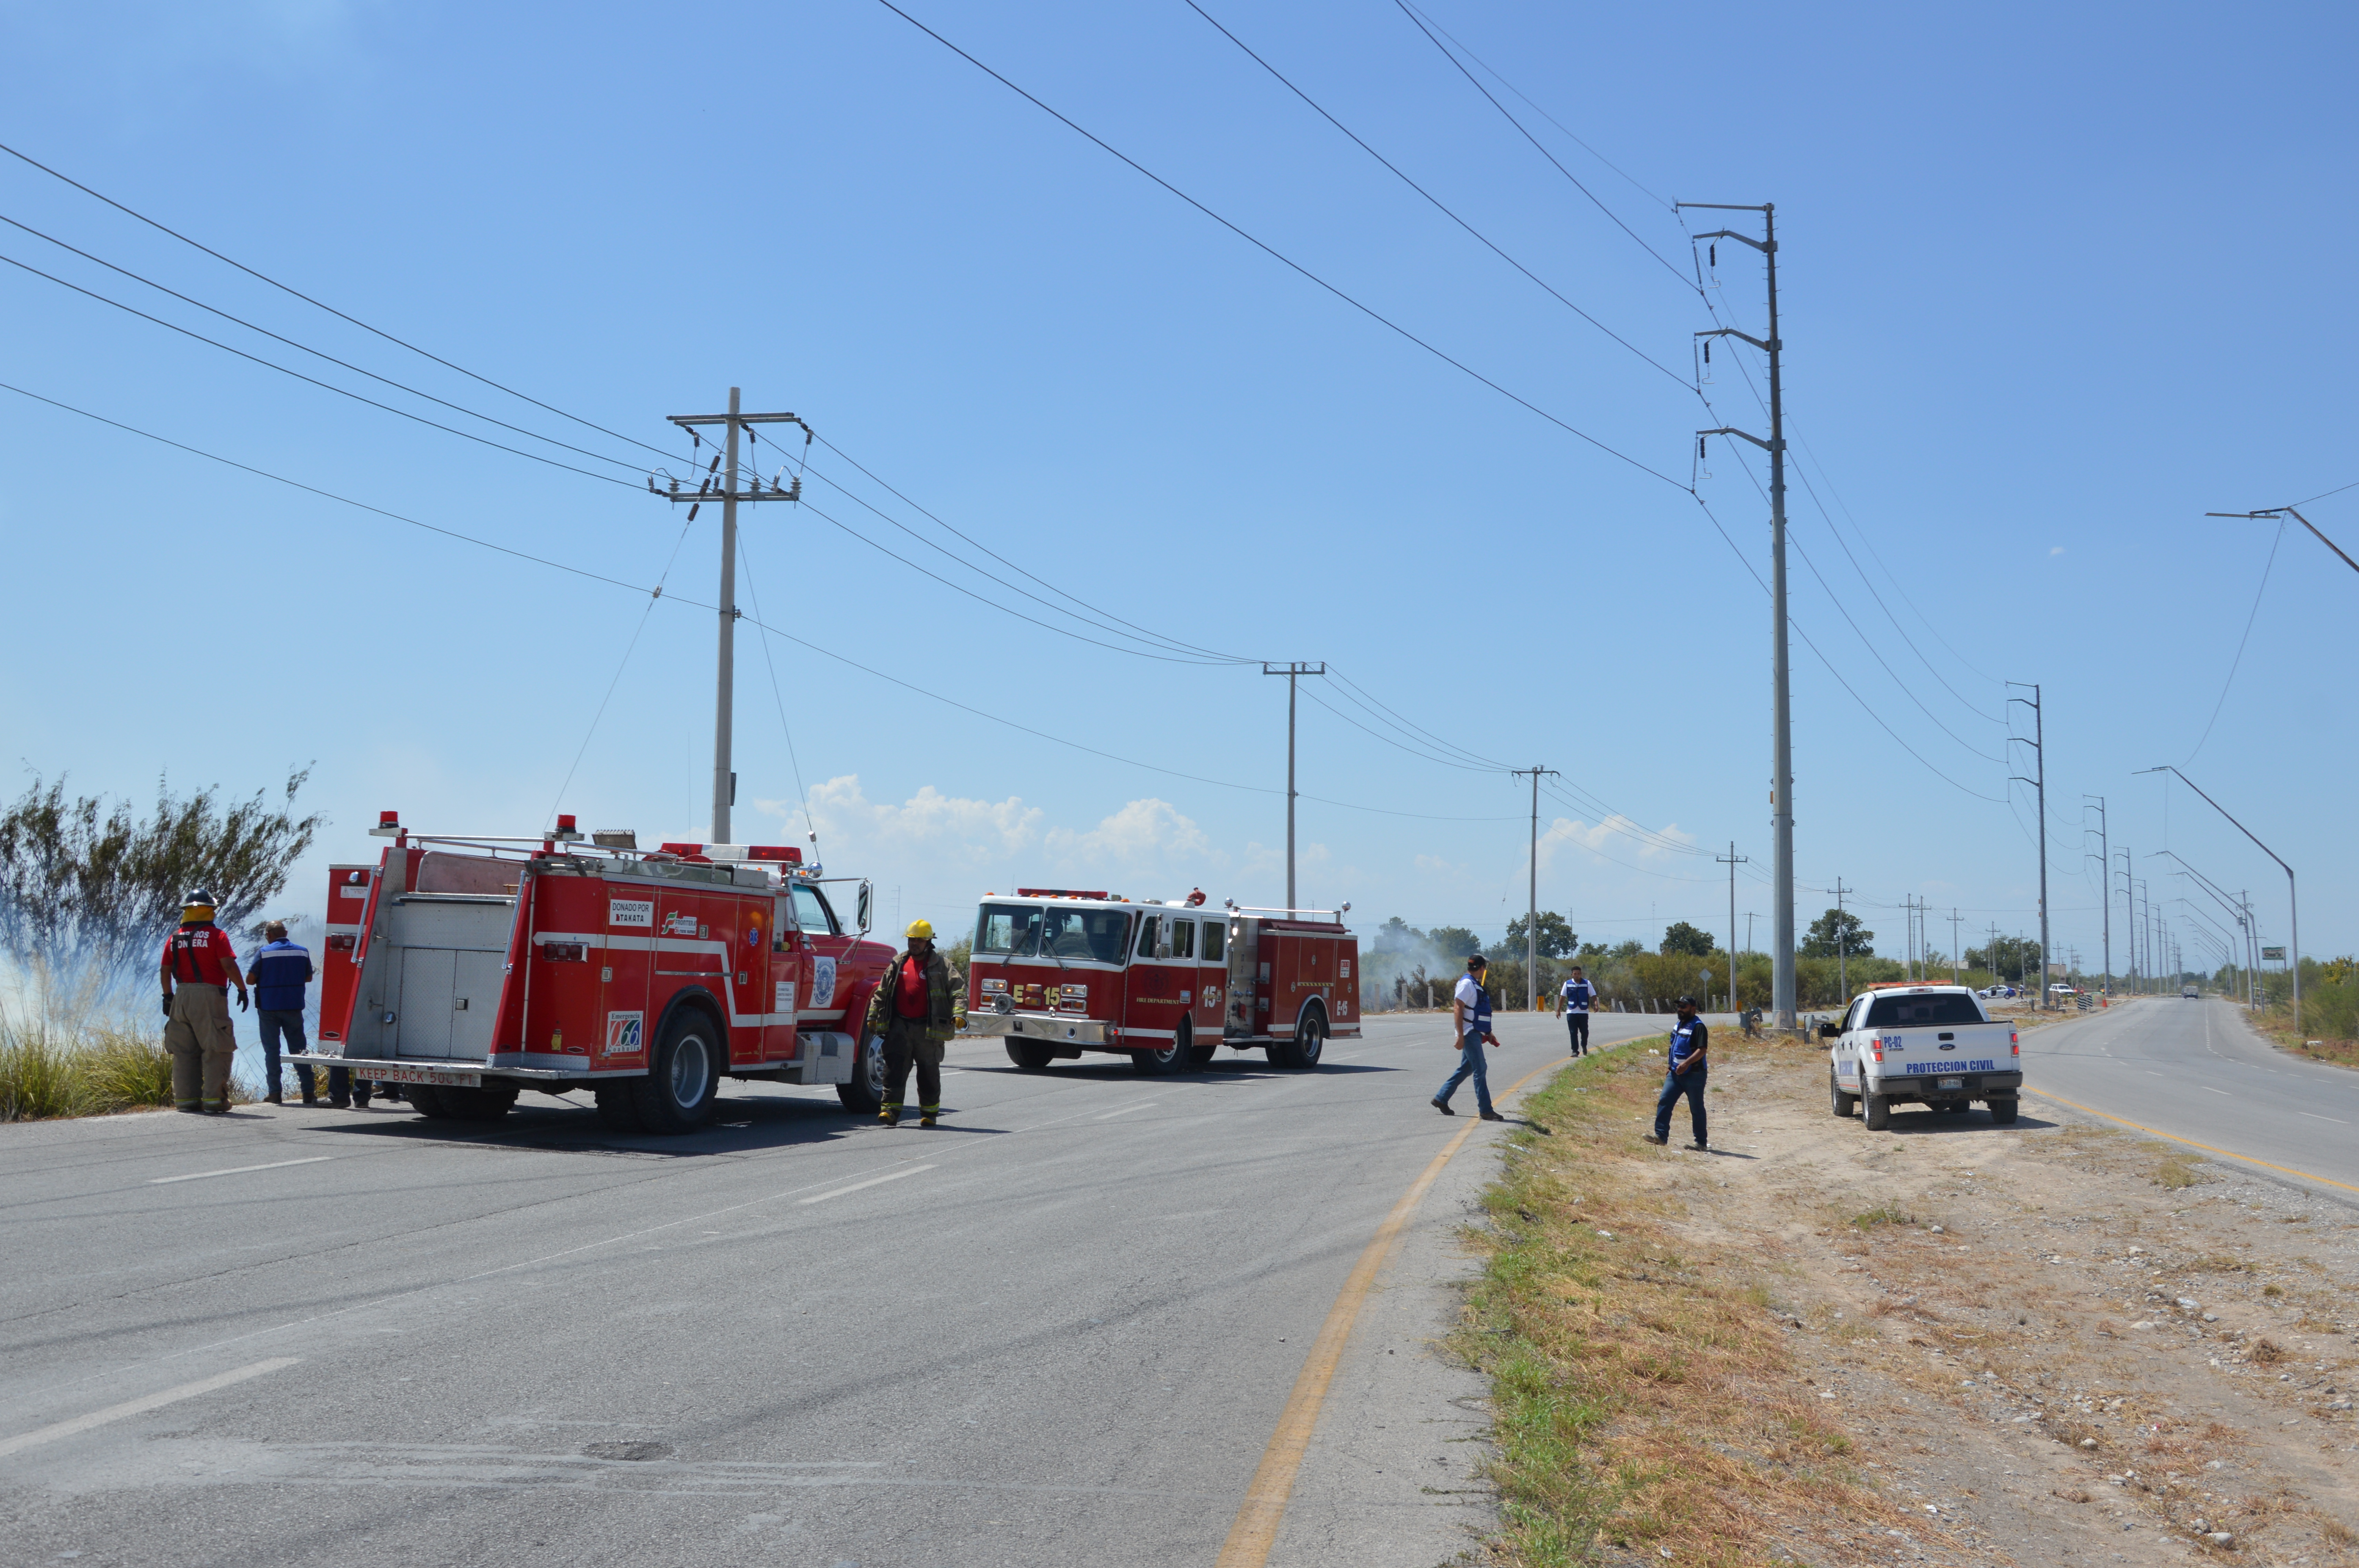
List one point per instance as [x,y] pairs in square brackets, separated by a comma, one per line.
[278,974]
[1573,1003]
[1470,1017]
[1689,1038]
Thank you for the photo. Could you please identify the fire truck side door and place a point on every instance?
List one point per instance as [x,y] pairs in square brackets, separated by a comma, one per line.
[1211,975]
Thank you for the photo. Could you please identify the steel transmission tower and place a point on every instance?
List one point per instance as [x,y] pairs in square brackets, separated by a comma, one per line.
[1781,762]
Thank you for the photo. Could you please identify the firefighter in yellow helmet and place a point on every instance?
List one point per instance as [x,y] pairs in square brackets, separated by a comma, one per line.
[918,1007]
[199,967]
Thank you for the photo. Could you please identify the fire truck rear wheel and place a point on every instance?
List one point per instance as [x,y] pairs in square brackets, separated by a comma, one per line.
[426,1099]
[866,1092]
[474,1105]
[1303,1050]
[1029,1055]
[677,1094]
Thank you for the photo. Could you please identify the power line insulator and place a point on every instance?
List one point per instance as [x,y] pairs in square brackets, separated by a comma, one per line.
[693,508]
[1713,251]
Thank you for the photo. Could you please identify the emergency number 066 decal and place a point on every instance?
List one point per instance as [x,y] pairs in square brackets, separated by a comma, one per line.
[622,1032]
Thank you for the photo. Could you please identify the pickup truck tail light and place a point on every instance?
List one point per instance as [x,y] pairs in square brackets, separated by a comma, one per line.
[1876,1046]
[2013,1043]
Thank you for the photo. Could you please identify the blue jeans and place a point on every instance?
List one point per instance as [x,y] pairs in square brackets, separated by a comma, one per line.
[1691,1084]
[273,1023]
[1470,1064]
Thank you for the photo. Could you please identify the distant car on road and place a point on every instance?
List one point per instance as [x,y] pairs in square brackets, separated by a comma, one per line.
[2059,988]
[1997,990]
[2191,993]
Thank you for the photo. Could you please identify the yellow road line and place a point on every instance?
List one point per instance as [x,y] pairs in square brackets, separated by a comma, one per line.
[1259,1516]
[2191,1144]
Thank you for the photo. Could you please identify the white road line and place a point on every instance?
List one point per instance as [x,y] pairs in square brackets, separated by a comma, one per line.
[1125,1110]
[887,1176]
[240,1170]
[2315,1117]
[2208,1087]
[39,1435]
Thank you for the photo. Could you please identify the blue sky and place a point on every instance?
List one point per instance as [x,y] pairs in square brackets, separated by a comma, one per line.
[2055,282]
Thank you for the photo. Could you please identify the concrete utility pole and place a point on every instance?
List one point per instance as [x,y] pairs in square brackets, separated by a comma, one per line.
[1734,860]
[2039,744]
[1954,918]
[724,776]
[1781,745]
[1843,943]
[1292,672]
[2105,877]
[1532,912]
[2292,901]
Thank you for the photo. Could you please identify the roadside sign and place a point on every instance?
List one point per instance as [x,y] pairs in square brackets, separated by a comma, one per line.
[2272,955]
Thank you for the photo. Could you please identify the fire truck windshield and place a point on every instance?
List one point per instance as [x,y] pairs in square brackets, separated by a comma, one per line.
[1007,930]
[1091,934]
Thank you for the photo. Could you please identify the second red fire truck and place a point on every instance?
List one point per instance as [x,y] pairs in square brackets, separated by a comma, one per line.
[1057,972]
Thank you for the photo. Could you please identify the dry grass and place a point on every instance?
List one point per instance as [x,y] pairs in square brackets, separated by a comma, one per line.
[1643,1403]
[89,1067]
[2268,1352]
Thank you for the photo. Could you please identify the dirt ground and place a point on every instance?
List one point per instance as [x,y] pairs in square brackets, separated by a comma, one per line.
[2052,1342]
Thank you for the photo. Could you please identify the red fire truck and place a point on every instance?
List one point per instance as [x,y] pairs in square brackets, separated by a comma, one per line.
[1058,972]
[468,970]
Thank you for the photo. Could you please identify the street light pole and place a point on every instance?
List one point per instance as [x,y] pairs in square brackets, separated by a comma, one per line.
[2105,878]
[2287,512]
[2293,902]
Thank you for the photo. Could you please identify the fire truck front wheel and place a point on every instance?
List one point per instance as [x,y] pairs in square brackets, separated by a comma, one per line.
[866,1092]
[1179,1057]
[677,1094]
[1030,1055]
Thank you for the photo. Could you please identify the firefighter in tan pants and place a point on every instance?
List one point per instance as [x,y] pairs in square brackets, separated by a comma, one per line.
[197,967]
[918,1008]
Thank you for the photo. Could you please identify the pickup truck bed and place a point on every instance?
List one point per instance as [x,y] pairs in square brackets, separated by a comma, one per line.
[1932,1044]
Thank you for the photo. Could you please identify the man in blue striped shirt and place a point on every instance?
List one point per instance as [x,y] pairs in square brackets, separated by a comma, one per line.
[280,971]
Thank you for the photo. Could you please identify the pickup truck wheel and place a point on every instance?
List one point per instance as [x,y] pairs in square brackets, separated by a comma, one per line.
[1839,1102]
[2003,1111]
[1877,1111]
[1029,1055]
[618,1106]
[865,1093]
[677,1095]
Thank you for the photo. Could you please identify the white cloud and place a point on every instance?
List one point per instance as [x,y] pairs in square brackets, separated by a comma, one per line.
[1617,836]
[2056,550]
[975,832]
[1144,834]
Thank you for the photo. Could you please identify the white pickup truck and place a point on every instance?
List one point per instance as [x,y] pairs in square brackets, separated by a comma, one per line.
[1933,1044]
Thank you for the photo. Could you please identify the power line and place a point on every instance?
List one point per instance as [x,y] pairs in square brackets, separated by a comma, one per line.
[330,310]
[699,604]
[313,381]
[389,380]
[1420,23]
[2235,662]
[1435,201]
[1279,256]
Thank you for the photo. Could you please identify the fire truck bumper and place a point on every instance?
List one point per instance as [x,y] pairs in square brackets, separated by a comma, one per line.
[1043,1026]
[465,1076]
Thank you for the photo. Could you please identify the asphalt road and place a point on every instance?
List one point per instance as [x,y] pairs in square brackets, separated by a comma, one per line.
[2193,1070]
[1060,1329]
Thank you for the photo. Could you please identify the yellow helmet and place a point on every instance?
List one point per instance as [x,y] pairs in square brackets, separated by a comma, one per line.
[921,931]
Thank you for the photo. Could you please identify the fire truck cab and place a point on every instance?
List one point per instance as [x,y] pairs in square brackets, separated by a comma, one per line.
[469,969]
[1165,982]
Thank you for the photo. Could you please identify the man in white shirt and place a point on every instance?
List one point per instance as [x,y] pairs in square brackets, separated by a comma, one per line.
[1573,1003]
[1470,1018]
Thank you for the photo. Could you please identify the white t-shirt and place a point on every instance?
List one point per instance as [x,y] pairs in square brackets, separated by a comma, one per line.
[1469,993]
[1577,995]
